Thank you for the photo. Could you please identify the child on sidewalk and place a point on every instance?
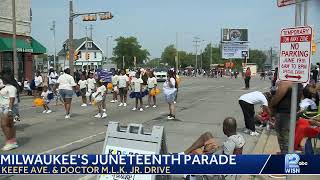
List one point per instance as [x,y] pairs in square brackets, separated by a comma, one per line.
[83,85]
[123,84]
[152,84]
[137,91]
[98,97]
[45,96]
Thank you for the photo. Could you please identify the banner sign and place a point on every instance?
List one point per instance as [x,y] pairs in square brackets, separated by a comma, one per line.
[234,50]
[295,54]
[159,164]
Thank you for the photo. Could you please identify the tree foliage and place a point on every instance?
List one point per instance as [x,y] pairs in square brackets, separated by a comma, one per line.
[129,48]
[168,55]
[258,57]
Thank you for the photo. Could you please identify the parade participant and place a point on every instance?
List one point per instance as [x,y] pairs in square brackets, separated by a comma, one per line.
[9,98]
[26,87]
[91,86]
[115,79]
[247,103]
[123,84]
[169,90]
[53,77]
[152,84]
[38,82]
[45,96]
[280,104]
[66,86]
[247,78]
[83,85]
[138,91]
[206,144]
[98,97]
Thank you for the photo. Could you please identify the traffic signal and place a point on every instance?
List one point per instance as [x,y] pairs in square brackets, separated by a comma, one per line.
[87,56]
[67,55]
[106,16]
[76,56]
[89,17]
[313,47]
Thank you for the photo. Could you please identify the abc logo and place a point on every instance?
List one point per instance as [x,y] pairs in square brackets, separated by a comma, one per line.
[301,163]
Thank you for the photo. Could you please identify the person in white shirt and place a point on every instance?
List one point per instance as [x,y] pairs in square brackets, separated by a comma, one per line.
[99,97]
[8,100]
[115,87]
[83,85]
[169,91]
[307,103]
[152,85]
[247,103]
[26,87]
[137,92]
[38,81]
[123,84]
[52,77]
[91,86]
[66,86]
[45,96]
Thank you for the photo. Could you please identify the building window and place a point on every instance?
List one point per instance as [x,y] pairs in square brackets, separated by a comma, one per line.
[80,55]
[89,45]
[95,55]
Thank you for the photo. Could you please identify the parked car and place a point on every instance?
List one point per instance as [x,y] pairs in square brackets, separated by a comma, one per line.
[161,74]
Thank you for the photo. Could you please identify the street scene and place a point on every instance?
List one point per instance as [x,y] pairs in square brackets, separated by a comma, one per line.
[182,77]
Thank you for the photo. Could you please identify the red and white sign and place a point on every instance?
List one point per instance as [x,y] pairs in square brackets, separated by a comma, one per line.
[295,53]
[282,3]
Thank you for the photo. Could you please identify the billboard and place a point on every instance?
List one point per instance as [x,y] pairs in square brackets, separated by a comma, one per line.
[235,51]
[234,35]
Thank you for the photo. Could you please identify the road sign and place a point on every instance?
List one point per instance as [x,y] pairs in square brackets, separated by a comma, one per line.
[282,3]
[295,53]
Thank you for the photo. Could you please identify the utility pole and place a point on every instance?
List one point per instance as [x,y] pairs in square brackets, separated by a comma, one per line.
[210,53]
[196,41]
[53,29]
[107,47]
[14,43]
[91,29]
[86,45]
[201,60]
[177,53]
[123,62]
[271,58]
[71,53]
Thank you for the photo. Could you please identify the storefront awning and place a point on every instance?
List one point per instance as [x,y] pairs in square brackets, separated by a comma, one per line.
[22,46]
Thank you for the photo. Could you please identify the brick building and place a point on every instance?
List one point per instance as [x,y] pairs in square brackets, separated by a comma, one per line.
[27,46]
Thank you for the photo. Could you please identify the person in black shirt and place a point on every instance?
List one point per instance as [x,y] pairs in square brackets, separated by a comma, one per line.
[315,74]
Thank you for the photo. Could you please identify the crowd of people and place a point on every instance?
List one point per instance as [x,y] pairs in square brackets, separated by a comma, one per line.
[93,91]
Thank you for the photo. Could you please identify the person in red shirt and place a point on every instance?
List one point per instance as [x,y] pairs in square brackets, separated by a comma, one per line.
[247,78]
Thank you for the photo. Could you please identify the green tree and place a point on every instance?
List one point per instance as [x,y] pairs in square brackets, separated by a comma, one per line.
[258,57]
[168,55]
[206,56]
[129,48]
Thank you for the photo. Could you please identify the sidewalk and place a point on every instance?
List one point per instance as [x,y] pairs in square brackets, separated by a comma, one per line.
[268,144]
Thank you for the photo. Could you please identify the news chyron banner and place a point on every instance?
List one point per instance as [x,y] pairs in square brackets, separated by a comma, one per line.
[159,164]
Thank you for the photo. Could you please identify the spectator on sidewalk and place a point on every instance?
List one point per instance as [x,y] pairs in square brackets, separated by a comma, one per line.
[52,77]
[280,104]
[38,81]
[206,144]
[315,74]
[247,77]
[247,103]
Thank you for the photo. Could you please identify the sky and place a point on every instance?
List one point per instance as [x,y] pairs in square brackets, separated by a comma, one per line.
[157,22]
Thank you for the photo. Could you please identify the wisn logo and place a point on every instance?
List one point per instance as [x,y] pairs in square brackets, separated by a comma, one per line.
[293,163]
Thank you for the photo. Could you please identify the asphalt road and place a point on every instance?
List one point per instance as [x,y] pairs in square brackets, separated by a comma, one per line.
[202,105]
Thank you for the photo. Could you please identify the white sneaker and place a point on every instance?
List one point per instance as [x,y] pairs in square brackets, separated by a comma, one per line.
[174,102]
[67,116]
[9,147]
[134,109]
[104,110]
[121,104]
[45,111]
[171,117]
[147,106]
[115,100]
[98,115]
[255,133]
[154,106]
[141,109]
[84,105]
[49,111]
[112,101]
[104,115]
[246,131]
[125,104]
[90,103]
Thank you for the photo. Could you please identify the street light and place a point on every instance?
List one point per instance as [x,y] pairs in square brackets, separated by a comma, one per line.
[107,47]
[53,29]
